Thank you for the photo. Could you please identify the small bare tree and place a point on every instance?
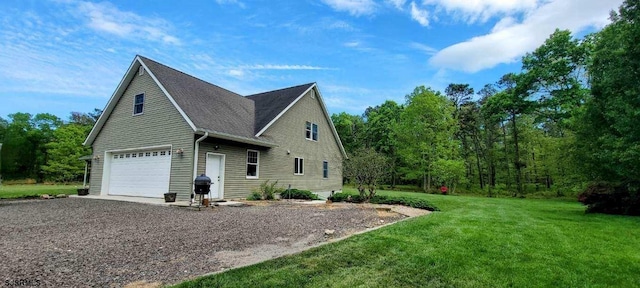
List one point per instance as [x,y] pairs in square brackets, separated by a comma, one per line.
[366,168]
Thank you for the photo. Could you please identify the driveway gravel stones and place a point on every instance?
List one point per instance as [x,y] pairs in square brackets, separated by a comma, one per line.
[77,242]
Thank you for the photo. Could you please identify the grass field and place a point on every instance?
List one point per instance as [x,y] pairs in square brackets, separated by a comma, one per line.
[472,242]
[33,190]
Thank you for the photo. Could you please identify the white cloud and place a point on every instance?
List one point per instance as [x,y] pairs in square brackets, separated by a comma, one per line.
[419,15]
[482,10]
[40,57]
[304,26]
[234,2]
[107,18]
[504,23]
[510,40]
[236,73]
[337,24]
[281,67]
[397,3]
[352,44]
[424,48]
[354,7]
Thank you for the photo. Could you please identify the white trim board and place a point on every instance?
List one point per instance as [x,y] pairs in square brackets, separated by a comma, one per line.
[117,94]
[324,109]
[222,170]
[106,165]
[284,110]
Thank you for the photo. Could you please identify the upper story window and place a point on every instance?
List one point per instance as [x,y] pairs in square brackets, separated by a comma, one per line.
[298,166]
[138,104]
[325,169]
[252,164]
[312,131]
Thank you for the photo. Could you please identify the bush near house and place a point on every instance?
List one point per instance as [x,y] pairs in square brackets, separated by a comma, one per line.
[298,194]
[382,199]
[609,198]
[266,191]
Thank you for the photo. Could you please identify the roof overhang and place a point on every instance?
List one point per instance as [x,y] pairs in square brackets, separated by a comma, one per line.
[122,87]
[235,138]
[324,109]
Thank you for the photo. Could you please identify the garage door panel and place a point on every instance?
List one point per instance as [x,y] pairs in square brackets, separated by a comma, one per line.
[145,175]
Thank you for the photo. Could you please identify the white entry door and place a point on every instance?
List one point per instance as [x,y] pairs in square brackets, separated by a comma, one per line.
[140,173]
[215,171]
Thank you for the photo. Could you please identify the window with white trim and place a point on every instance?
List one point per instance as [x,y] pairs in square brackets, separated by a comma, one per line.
[298,166]
[311,131]
[325,169]
[252,164]
[138,104]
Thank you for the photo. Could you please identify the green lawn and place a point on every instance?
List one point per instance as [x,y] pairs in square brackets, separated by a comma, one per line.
[472,242]
[33,190]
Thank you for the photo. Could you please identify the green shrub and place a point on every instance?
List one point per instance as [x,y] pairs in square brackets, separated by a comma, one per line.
[339,197]
[380,199]
[298,194]
[255,196]
[344,197]
[266,191]
[612,198]
[411,202]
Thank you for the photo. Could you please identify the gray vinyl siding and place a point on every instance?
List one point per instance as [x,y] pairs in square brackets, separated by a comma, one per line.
[274,163]
[160,124]
[289,133]
[236,184]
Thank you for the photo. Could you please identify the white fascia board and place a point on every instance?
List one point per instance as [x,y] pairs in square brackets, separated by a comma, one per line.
[117,94]
[333,128]
[284,110]
[166,93]
[112,102]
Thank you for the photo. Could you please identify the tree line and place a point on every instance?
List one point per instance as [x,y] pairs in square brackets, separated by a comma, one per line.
[44,147]
[565,120]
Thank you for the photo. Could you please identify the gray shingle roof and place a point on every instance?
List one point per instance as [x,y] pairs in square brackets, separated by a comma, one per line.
[269,104]
[209,107]
[213,108]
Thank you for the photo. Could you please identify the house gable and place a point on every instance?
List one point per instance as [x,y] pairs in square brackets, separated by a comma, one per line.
[118,93]
[272,104]
[312,92]
[289,132]
[159,126]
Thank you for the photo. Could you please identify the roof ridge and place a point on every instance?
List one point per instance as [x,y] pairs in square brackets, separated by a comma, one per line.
[296,86]
[194,77]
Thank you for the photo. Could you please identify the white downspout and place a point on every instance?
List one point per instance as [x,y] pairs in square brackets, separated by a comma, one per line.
[86,166]
[195,163]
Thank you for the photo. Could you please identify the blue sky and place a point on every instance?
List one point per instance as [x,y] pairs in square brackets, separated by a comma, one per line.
[69,55]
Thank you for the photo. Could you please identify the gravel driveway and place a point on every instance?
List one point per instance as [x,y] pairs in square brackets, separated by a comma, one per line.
[82,242]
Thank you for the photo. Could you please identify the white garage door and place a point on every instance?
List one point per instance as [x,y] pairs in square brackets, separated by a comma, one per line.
[140,173]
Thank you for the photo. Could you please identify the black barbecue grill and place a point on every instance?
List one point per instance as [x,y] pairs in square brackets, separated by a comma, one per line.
[202,186]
